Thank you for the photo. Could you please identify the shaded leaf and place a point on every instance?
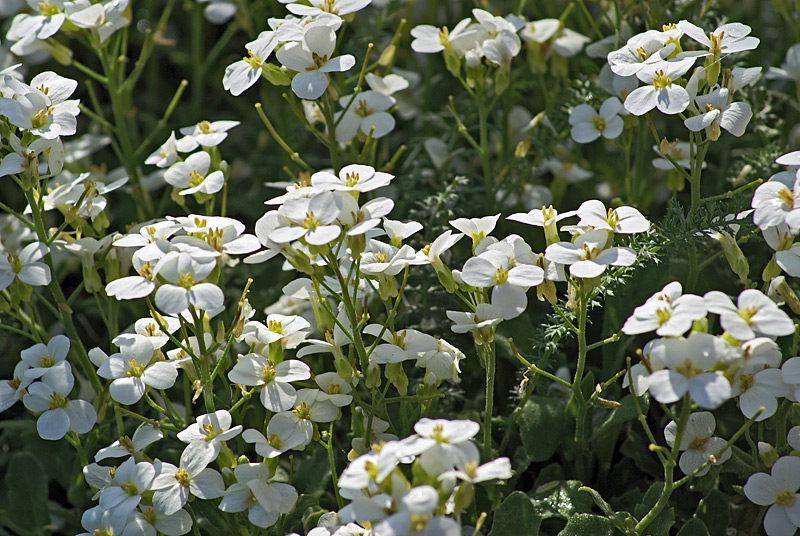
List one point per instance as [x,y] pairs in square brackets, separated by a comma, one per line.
[517,516]
[662,523]
[561,499]
[714,511]
[541,425]
[27,505]
[587,525]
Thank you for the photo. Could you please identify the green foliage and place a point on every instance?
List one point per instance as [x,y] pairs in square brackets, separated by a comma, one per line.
[541,426]
[516,515]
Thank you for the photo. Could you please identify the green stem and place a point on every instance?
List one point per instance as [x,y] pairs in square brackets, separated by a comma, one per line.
[577,393]
[490,358]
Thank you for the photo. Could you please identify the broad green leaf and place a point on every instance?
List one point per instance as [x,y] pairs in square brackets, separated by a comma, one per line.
[27,500]
[561,499]
[587,525]
[541,425]
[516,516]
[714,511]
[694,527]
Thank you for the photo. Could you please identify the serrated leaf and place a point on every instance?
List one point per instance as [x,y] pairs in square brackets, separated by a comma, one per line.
[694,527]
[27,505]
[541,426]
[714,511]
[517,516]
[561,499]
[587,525]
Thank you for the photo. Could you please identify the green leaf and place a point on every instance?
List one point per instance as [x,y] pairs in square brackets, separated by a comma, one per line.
[694,527]
[714,511]
[587,525]
[662,523]
[306,505]
[541,424]
[27,505]
[561,499]
[516,516]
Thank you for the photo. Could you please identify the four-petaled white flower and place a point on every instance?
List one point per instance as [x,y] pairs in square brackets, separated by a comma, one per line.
[312,59]
[588,125]
[131,371]
[25,266]
[698,443]
[192,175]
[173,485]
[754,314]
[716,111]
[277,393]
[589,255]
[778,490]
[264,501]
[660,92]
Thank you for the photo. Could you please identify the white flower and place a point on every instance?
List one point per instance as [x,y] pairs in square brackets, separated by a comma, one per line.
[667,312]
[679,152]
[588,125]
[333,7]
[312,59]
[132,372]
[468,466]
[192,175]
[212,429]
[22,157]
[218,12]
[166,155]
[35,112]
[283,435]
[688,363]
[641,50]
[697,443]
[46,362]
[563,41]
[185,274]
[173,485]
[131,480]
[759,389]
[313,218]
[476,228]
[204,134]
[777,201]
[242,74]
[366,113]
[778,490]
[787,251]
[754,314]
[150,521]
[727,39]
[717,112]
[264,501]
[480,323]
[588,256]
[105,17]
[509,281]
[352,178]
[430,39]
[791,66]
[57,414]
[660,90]
[25,266]
[441,363]
[277,393]
[624,220]
[45,22]
[565,170]
[334,388]
[144,435]
[400,346]
[13,390]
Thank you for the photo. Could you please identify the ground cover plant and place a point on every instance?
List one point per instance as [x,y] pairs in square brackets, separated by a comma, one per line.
[396,267]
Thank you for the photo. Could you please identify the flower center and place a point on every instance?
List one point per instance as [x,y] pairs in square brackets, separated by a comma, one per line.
[57,401]
[745,382]
[182,477]
[102,532]
[16,264]
[204,126]
[311,222]
[135,370]
[362,110]
[268,373]
[40,119]
[275,326]
[47,9]
[661,80]
[15,383]
[126,443]
[785,498]
[598,123]
[641,54]
[214,239]
[210,431]
[186,280]
[747,313]
[677,154]
[698,443]
[470,468]
[319,61]
[252,60]
[329,6]
[662,315]
[438,434]
[275,441]
[334,389]
[129,488]
[716,43]
[380,257]
[302,411]
[688,369]
[149,515]
[146,272]
[195,179]
[589,253]
[46,361]
[444,36]
[351,179]
[371,469]
[501,276]
[786,196]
